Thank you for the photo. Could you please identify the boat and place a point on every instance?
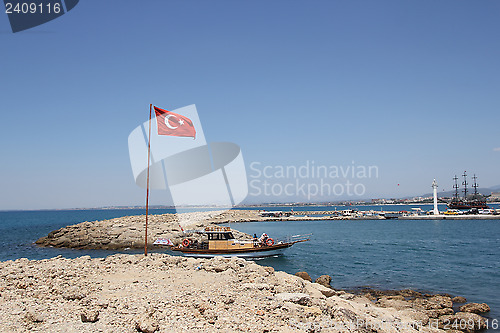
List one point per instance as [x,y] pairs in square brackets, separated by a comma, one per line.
[391,215]
[476,200]
[277,213]
[221,242]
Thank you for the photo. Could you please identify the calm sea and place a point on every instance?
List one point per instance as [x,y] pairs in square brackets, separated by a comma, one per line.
[444,256]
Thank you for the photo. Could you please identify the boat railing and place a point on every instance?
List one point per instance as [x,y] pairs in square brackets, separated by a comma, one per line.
[217,229]
[297,237]
[193,231]
[243,241]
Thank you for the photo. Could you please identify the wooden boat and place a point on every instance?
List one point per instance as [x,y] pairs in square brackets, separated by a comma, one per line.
[477,200]
[221,242]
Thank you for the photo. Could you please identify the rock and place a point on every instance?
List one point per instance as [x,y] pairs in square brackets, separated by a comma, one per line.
[164,293]
[409,293]
[369,296]
[126,232]
[89,316]
[72,295]
[328,292]
[475,308]
[463,321]
[259,286]
[312,291]
[396,302]
[395,297]
[297,298]
[312,311]
[416,317]
[435,302]
[34,316]
[344,315]
[436,313]
[324,280]
[304,275]
[459,299]
[269,269]
[442,301]
[147,324]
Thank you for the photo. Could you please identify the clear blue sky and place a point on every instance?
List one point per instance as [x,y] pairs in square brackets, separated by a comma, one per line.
[409,86]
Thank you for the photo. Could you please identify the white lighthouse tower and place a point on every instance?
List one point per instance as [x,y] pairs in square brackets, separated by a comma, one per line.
[435,186]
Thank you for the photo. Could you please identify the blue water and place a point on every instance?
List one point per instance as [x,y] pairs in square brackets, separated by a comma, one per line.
[444,256]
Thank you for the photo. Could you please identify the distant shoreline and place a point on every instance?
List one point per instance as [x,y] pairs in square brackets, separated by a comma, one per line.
[227,207]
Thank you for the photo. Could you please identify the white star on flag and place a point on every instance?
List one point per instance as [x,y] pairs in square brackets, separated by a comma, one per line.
[181,122]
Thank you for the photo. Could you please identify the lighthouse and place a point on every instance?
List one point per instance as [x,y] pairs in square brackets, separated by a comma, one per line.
[435,187]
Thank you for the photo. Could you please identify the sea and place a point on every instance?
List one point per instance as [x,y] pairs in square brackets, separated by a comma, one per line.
[457,257]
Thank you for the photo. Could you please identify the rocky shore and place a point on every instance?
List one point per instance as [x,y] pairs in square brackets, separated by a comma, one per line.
[128,232]
[162,293]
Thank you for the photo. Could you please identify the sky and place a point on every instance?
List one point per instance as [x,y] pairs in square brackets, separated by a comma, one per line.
[409,87]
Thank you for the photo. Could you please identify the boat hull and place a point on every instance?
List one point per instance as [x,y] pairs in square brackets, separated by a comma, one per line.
[468,205]
[265,254]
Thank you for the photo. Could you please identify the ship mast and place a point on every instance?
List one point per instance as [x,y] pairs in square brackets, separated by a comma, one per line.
[464,183]
[475,186]
[456,187]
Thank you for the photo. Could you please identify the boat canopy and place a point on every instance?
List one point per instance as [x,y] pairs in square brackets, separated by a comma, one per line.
[220,235]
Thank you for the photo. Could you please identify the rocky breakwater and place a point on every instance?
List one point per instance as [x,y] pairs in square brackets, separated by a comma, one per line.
[432,310]
[439,310]
[162,293]
[128,232]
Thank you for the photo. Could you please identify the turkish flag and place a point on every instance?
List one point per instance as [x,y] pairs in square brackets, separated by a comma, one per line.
[170,123]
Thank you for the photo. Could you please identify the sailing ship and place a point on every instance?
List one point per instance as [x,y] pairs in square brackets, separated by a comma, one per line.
[221,242]
[475,200]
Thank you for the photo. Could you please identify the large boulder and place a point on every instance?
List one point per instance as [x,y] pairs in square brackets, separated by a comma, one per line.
[324,280]
[459,299]
[442,301]
[304,276]
[435,302]
[475,308]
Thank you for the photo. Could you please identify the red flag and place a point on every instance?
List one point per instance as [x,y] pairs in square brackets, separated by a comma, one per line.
[170,123]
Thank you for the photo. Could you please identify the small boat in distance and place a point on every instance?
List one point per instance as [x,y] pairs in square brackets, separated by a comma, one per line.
[221,242]
[392,215]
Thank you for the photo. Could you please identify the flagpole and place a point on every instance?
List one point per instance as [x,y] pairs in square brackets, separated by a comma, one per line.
[147,186]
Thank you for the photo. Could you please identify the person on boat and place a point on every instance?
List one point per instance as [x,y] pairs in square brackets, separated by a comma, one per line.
[263,238]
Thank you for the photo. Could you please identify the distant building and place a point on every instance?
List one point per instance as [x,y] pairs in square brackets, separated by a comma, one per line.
[495,196]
